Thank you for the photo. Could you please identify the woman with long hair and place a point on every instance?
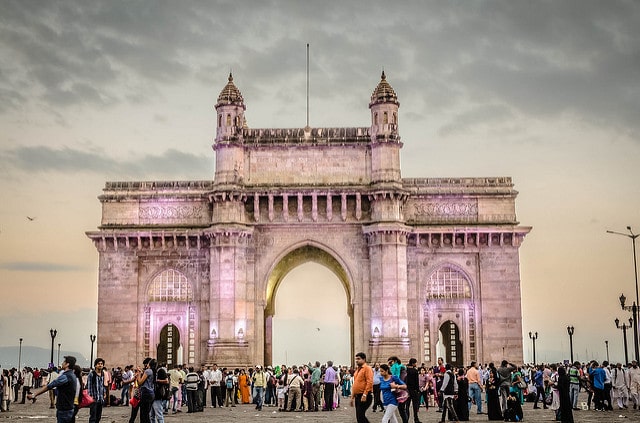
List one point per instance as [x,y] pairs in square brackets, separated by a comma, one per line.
[145,379]
[388,384]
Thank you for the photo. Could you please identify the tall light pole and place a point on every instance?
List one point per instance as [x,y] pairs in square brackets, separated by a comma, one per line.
[20,354]
[624,328]
[58,363]
[570,332]
[533,337]
[606,344]
[53,333]
[633,309]
[92,338]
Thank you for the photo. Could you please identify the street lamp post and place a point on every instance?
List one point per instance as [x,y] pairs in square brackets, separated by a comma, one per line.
[58,363]
[93,339]
[624,328]
[19,354]
[53,333]
[634,313]
[606,344]
[533,337]
[633,309]
[570,330]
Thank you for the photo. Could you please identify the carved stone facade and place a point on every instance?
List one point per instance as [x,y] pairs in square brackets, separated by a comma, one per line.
[189,270]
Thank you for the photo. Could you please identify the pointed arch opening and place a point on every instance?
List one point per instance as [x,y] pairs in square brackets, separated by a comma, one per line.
[313,267]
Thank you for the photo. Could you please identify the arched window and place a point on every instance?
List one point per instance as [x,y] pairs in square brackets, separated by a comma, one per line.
[170,285]
[375,118]
[395,118]
[447,283]
[228,119]
[219,120]
[385,118]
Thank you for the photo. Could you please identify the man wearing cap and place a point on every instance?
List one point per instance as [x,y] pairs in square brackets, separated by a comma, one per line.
[259,383]
[66,388]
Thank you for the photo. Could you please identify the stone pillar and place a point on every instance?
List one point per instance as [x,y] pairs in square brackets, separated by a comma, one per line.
[389,329]
[231,325]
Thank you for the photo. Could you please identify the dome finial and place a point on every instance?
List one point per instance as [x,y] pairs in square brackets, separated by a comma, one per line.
[230,76]
[383,93]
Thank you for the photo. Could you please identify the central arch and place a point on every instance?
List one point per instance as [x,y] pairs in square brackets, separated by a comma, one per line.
[291,260]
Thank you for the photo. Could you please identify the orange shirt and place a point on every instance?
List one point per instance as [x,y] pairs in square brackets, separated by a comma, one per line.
[473,375]
[362,381]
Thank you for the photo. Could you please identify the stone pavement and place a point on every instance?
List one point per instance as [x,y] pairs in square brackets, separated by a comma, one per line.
[40,412]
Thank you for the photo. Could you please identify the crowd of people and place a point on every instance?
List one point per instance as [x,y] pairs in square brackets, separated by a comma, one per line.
[395,389]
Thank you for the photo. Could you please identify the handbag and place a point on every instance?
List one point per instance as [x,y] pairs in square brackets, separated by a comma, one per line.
[85,399]
[135,399]
[522,384]
[402,395]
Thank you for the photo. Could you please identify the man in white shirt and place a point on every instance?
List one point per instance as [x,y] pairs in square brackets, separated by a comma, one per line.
[216,392]
[206,374]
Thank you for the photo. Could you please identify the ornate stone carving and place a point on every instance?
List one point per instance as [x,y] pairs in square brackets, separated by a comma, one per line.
[448,209]
[171,212]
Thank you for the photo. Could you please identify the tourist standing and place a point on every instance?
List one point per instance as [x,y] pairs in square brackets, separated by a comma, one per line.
[145,379]
[449,390]
[66,386]
[96,388]
[330,382]
[563,384]
[475,386]
[377,400]
[362,389]
[538,381]
[504,372]
[413,386]
[461,401]
[494,410]
[259,379]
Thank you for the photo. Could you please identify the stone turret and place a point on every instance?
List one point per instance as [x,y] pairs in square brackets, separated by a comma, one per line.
[230,108]
[385,141]
[384,111]
[228,143]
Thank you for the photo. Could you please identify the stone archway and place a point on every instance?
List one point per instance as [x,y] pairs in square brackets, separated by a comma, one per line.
[450,343]
[291,260]
[169,350]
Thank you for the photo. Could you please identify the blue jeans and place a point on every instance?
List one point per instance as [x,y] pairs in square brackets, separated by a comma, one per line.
[157,410]
[64,416]
[124,395]
[259,390]
[476,394]
[574,390]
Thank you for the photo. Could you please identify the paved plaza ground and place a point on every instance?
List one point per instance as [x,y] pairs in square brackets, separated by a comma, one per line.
[40,412]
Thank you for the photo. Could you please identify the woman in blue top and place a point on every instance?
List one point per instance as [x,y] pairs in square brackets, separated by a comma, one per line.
[145,380]
[389,383]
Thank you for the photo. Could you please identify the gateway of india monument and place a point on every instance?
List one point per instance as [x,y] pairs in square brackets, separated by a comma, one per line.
[189,270]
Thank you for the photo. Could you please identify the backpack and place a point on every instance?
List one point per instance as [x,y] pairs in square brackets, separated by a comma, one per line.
[229,382]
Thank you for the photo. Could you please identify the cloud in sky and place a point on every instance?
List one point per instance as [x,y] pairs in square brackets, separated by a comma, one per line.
[26,266]
[71,160]
[539,58]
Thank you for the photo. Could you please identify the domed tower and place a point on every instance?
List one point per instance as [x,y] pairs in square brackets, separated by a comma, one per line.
[230,108]
[228,143]
[385,149]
